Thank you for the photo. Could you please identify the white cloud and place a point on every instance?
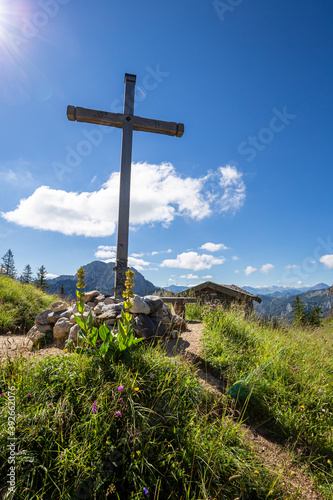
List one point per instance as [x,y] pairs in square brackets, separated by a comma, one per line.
[51,276]
[8,176]
[139,264]
[93,179]
[249,270]
[300,282]
[106,252]
[237,271]
[137,255]
[158,195]
[213,247]
[161,251]
[234,257]
[266,268]
[192,260]
[189,276]
[234,189]
[207,277]
[291,266]
[327,260]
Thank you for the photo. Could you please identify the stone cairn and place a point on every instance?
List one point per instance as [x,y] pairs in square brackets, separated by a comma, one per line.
[151,318]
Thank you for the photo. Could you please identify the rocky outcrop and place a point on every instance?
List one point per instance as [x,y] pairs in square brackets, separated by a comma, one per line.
[151,318]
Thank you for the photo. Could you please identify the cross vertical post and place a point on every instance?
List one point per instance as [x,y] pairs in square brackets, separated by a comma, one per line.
[125,186]
[128,122]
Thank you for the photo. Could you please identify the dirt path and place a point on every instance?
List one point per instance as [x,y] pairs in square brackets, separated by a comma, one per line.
[274,455]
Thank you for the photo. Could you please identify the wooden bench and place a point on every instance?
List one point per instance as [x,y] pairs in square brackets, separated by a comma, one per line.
[179,303]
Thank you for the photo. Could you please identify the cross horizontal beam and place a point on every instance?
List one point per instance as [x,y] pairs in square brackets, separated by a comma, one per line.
[118,119]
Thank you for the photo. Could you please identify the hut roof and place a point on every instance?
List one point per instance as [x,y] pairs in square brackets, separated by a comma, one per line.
[232,290]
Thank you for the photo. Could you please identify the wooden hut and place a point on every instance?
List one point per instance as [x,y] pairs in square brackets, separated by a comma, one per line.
[223,294]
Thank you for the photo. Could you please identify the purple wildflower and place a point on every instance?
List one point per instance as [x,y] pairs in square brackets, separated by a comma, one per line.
[94,407]
[319,390]
[2,394]
[167,368]
[28,395]
[9,333]
[50,405]
[145,491]
[118,413]
[121,388]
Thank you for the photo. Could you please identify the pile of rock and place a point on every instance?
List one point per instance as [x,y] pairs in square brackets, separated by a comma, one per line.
[151,317]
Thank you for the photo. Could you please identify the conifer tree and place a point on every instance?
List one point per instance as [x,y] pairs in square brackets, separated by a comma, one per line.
[41,279]
[314,316]
[299,311]
[26,276]
[8,266]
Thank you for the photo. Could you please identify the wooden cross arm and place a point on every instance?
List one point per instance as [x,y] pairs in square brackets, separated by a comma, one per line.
[117,120]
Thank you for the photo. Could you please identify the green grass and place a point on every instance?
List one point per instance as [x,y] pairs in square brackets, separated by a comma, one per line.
[20,304]
[171,437]
[193,312]
[289,374]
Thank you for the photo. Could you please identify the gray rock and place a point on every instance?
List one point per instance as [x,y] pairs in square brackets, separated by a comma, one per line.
[139,306]
[111,322]
[99,298]
[42,319]
[178,323]
[174,334]
[67,314]
[147,327]
[53,317]
[108,315]
[85,315]
[89,296]
[44,328]
[75,311]
[61,330]
[39,338]
[109,300]
[155,303]
[73,335]
[90,304]
[58,306]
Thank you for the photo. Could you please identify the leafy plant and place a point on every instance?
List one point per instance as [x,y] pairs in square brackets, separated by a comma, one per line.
[101,341]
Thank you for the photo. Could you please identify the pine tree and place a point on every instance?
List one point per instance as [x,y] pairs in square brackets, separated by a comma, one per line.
[41,279]
[62,290]
[8,266]
[299,311]
[26,276]
[314,316]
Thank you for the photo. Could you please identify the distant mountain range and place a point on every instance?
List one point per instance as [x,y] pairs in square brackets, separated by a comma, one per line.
[276,300]
[281,308]
[281,291]
[175,288]
[99,276]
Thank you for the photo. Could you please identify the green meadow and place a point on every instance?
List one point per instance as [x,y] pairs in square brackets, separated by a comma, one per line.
[143,426]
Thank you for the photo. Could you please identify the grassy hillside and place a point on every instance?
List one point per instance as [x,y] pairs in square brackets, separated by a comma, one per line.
[20,304]
[283,380]
[143,428]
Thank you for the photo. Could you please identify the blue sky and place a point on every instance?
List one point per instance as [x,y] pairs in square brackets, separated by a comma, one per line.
[243,197]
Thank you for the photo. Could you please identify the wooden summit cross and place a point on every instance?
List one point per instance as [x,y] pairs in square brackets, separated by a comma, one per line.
[128,122]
